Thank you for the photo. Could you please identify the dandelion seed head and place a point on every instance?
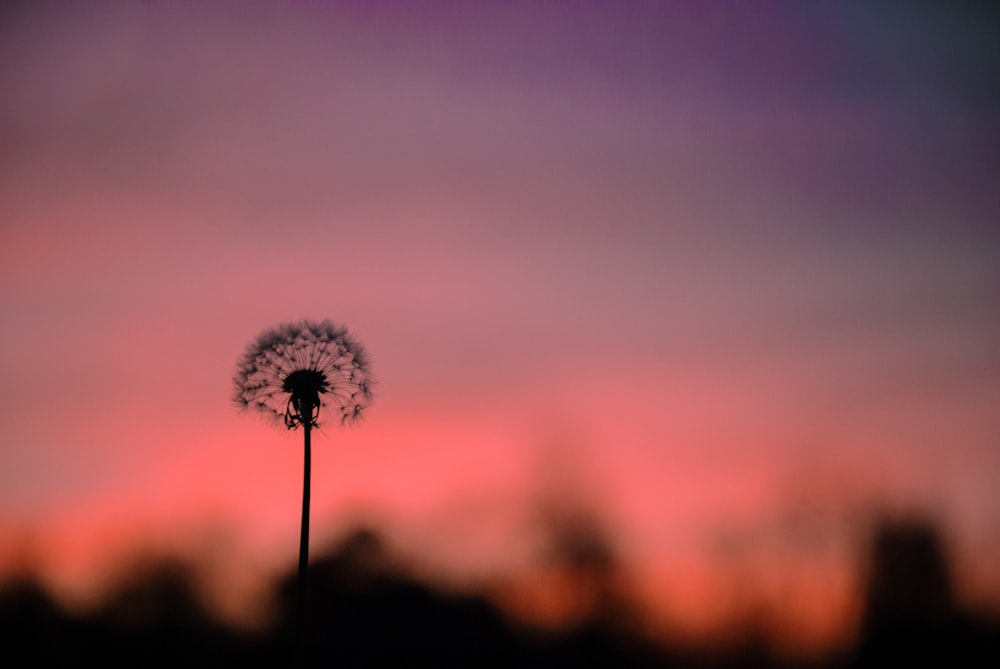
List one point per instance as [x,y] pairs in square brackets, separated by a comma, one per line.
[294,371]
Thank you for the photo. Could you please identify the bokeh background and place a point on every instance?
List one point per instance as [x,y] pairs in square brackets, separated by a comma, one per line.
[715,284]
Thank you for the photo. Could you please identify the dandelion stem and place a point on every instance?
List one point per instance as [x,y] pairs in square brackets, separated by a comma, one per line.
[304,536]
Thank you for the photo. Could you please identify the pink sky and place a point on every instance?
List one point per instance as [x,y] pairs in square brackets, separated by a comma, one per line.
[717,272]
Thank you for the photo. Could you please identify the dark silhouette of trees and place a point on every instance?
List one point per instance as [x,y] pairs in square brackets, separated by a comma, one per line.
[369,611]
[912,616]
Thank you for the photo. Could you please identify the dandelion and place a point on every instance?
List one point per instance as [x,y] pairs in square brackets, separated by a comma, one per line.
[295,374]
[293,371]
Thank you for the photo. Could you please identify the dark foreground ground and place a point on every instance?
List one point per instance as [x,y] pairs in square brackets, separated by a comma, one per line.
[364,614]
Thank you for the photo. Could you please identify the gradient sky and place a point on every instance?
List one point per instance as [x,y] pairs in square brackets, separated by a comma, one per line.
[717,274]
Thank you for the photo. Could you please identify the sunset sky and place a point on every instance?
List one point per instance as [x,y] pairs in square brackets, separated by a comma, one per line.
[726,277]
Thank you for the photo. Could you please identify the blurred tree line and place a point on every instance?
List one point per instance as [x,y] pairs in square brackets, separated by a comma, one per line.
[367,611]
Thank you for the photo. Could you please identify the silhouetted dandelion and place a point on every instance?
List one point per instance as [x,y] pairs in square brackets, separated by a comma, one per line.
[295,373]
